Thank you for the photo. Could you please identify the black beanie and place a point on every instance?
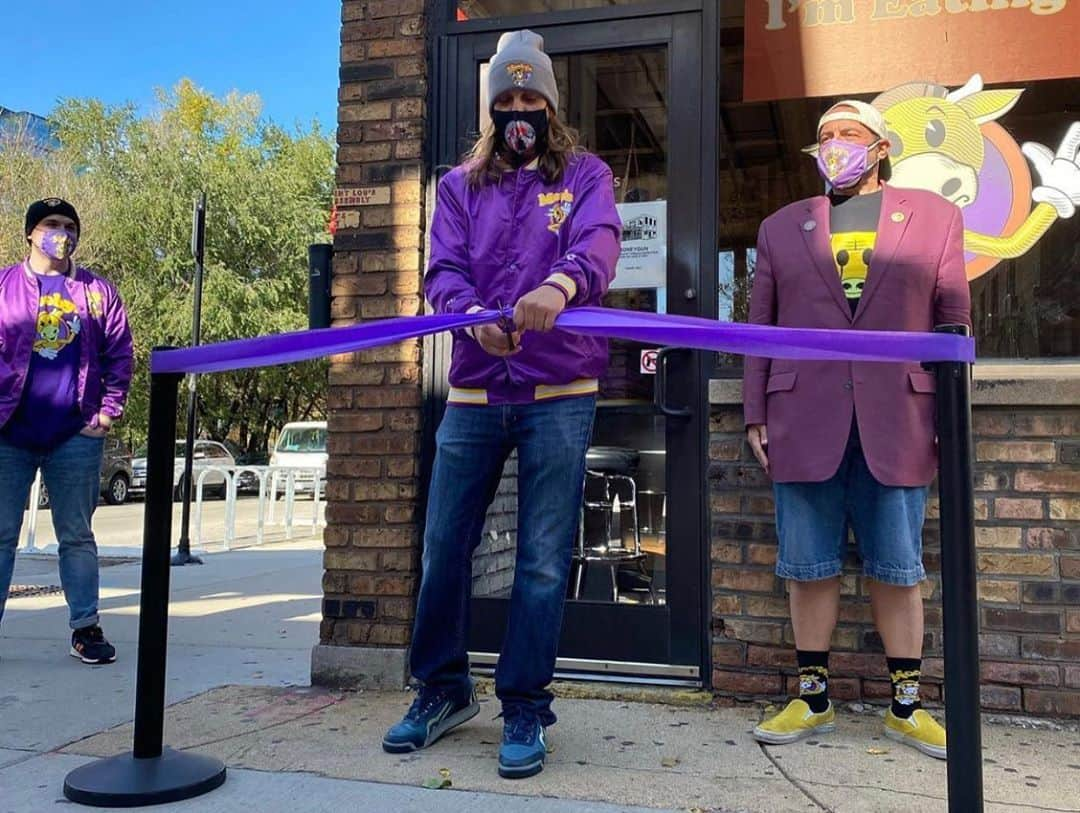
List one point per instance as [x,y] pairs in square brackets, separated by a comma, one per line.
[39,210]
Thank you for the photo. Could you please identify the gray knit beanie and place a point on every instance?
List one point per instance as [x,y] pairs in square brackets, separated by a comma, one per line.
[520,62]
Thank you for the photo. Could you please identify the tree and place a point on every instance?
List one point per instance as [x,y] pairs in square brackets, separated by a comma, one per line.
[134,180]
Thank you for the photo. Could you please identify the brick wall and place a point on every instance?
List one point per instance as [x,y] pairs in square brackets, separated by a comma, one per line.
[372,546]
[1028,536]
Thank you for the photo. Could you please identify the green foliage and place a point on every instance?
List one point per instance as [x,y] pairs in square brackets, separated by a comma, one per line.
[134,180]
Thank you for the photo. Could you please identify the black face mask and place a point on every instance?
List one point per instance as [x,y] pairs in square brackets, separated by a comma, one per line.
[520,133]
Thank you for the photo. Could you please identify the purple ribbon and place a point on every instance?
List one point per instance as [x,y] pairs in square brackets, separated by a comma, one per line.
[647,328]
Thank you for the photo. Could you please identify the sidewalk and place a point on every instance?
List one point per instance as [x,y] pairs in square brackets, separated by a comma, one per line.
[240,636]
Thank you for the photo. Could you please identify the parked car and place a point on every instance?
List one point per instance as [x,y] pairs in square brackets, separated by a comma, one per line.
[116,474]
[206,453]
[302,444]
[247,482]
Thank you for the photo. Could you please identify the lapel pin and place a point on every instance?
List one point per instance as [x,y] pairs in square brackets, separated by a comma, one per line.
[809,225]
[897,217]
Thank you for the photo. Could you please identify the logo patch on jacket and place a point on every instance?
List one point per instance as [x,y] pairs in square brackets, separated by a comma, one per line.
[94,304]
[520,73]
[558,205]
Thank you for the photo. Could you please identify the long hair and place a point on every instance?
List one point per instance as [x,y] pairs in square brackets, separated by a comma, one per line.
[485,164]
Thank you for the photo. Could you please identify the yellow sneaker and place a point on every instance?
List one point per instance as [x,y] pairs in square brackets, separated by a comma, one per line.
[794,723]
[920,731]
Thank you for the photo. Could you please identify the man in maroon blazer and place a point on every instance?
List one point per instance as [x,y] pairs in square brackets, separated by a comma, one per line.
[851,445]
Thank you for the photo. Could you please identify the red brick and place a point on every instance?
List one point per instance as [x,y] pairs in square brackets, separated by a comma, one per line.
[1055,425]
[363,153]
[1021,620]
[997,537]
[729,653]
[1072,676]
[1020,673]
[725,449]
[1070,567]
[1016,451]
[781,658]
[846,689]
[767,607]
[1050,649]
[353,466]
[385,537]
[860,664]
[399,560]
[1051,538]
[753,581]
[1007,592]
[1057,480]
[349,513]
[1072,621]
[1056,703]
[724,503]
[1001,698]
[1030,564]
[746,683]
[368,30]
[754,631]
[726,604]
[761,554]
[394,8]
[1008,508]
[397,609]
[877,689]
[984,422]
[387,397]
[380,49]
[411,26]
[999,645]
[726,552]
[1067,508]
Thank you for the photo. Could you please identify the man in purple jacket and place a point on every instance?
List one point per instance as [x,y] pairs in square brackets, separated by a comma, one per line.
[851,444]
[527,222]
[65,366]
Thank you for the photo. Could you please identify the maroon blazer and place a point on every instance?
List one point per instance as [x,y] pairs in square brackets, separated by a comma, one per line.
[916,280]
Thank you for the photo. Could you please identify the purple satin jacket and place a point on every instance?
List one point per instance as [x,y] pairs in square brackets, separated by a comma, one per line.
[105,341]
[493,244]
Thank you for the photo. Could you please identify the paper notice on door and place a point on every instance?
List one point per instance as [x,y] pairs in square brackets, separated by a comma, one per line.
[643,262]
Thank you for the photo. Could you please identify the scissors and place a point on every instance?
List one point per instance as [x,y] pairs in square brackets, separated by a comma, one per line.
[506,325]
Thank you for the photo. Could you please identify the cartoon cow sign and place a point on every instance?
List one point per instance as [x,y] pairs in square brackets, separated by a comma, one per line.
[949,142]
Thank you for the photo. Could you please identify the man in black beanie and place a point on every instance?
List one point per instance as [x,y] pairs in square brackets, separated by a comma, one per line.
[65,367]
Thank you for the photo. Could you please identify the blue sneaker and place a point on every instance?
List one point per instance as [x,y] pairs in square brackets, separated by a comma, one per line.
[434,712]
[524,746]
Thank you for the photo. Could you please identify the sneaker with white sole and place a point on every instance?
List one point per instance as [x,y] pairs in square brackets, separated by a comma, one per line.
[89,646]
[921,731]
[794,723]
[433,713]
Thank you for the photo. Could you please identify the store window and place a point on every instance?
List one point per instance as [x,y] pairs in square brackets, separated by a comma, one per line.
[962,139]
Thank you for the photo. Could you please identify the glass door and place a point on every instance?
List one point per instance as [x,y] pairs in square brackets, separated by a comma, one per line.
[635,599]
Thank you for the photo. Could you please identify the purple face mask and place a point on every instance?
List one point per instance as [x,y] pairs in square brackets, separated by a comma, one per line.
[843,163]
[58,244]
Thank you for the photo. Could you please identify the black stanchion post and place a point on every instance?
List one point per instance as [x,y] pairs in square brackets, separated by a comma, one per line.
[960,605]
[187,481]
[319,259]
[151,774]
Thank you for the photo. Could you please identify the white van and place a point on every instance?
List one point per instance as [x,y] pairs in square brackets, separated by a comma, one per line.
[302,444]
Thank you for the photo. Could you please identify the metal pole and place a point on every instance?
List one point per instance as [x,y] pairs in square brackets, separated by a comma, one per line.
[956,490]
[198,243]
[151,774]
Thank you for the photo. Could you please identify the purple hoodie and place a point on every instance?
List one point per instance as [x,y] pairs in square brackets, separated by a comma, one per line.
[493,244]
[105,350]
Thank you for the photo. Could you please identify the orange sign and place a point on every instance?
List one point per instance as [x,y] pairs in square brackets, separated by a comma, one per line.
[806,48]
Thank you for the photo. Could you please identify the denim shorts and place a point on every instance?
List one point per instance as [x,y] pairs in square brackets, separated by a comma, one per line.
[813,519]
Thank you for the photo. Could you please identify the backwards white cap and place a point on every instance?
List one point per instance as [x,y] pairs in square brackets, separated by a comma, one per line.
[866,114]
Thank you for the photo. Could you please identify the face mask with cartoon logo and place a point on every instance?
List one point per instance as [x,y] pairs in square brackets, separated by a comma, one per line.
[58,244]
[521,132]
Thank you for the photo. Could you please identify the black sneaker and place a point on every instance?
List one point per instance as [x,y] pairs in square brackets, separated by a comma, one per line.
[89,645]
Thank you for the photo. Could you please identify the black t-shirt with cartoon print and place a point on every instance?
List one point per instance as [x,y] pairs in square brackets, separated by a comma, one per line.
[853,221]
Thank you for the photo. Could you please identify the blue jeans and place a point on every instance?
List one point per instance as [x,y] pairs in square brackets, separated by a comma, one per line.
[473,444]
[72,474]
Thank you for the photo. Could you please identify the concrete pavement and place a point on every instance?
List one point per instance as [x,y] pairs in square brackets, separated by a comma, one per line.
[241,630]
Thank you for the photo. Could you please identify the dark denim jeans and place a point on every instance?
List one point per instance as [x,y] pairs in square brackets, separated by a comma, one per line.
[473,444]
[72,473]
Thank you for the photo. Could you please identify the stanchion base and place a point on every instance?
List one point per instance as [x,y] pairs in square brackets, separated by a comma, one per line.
[181,558]
[124,781]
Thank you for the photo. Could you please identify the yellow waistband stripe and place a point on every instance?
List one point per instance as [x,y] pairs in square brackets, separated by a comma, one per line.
[583,386]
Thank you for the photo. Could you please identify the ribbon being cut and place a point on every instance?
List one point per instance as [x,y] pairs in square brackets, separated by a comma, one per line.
[689,332]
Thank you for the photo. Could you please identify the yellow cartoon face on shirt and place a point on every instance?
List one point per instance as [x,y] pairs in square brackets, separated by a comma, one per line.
[852,252]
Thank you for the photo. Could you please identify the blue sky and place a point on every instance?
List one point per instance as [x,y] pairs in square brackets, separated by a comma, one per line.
[120,50]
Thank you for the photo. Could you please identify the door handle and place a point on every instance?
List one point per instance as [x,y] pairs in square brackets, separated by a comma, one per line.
[660,385]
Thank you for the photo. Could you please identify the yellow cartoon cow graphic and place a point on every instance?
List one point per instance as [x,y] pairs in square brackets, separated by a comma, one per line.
[949,142]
